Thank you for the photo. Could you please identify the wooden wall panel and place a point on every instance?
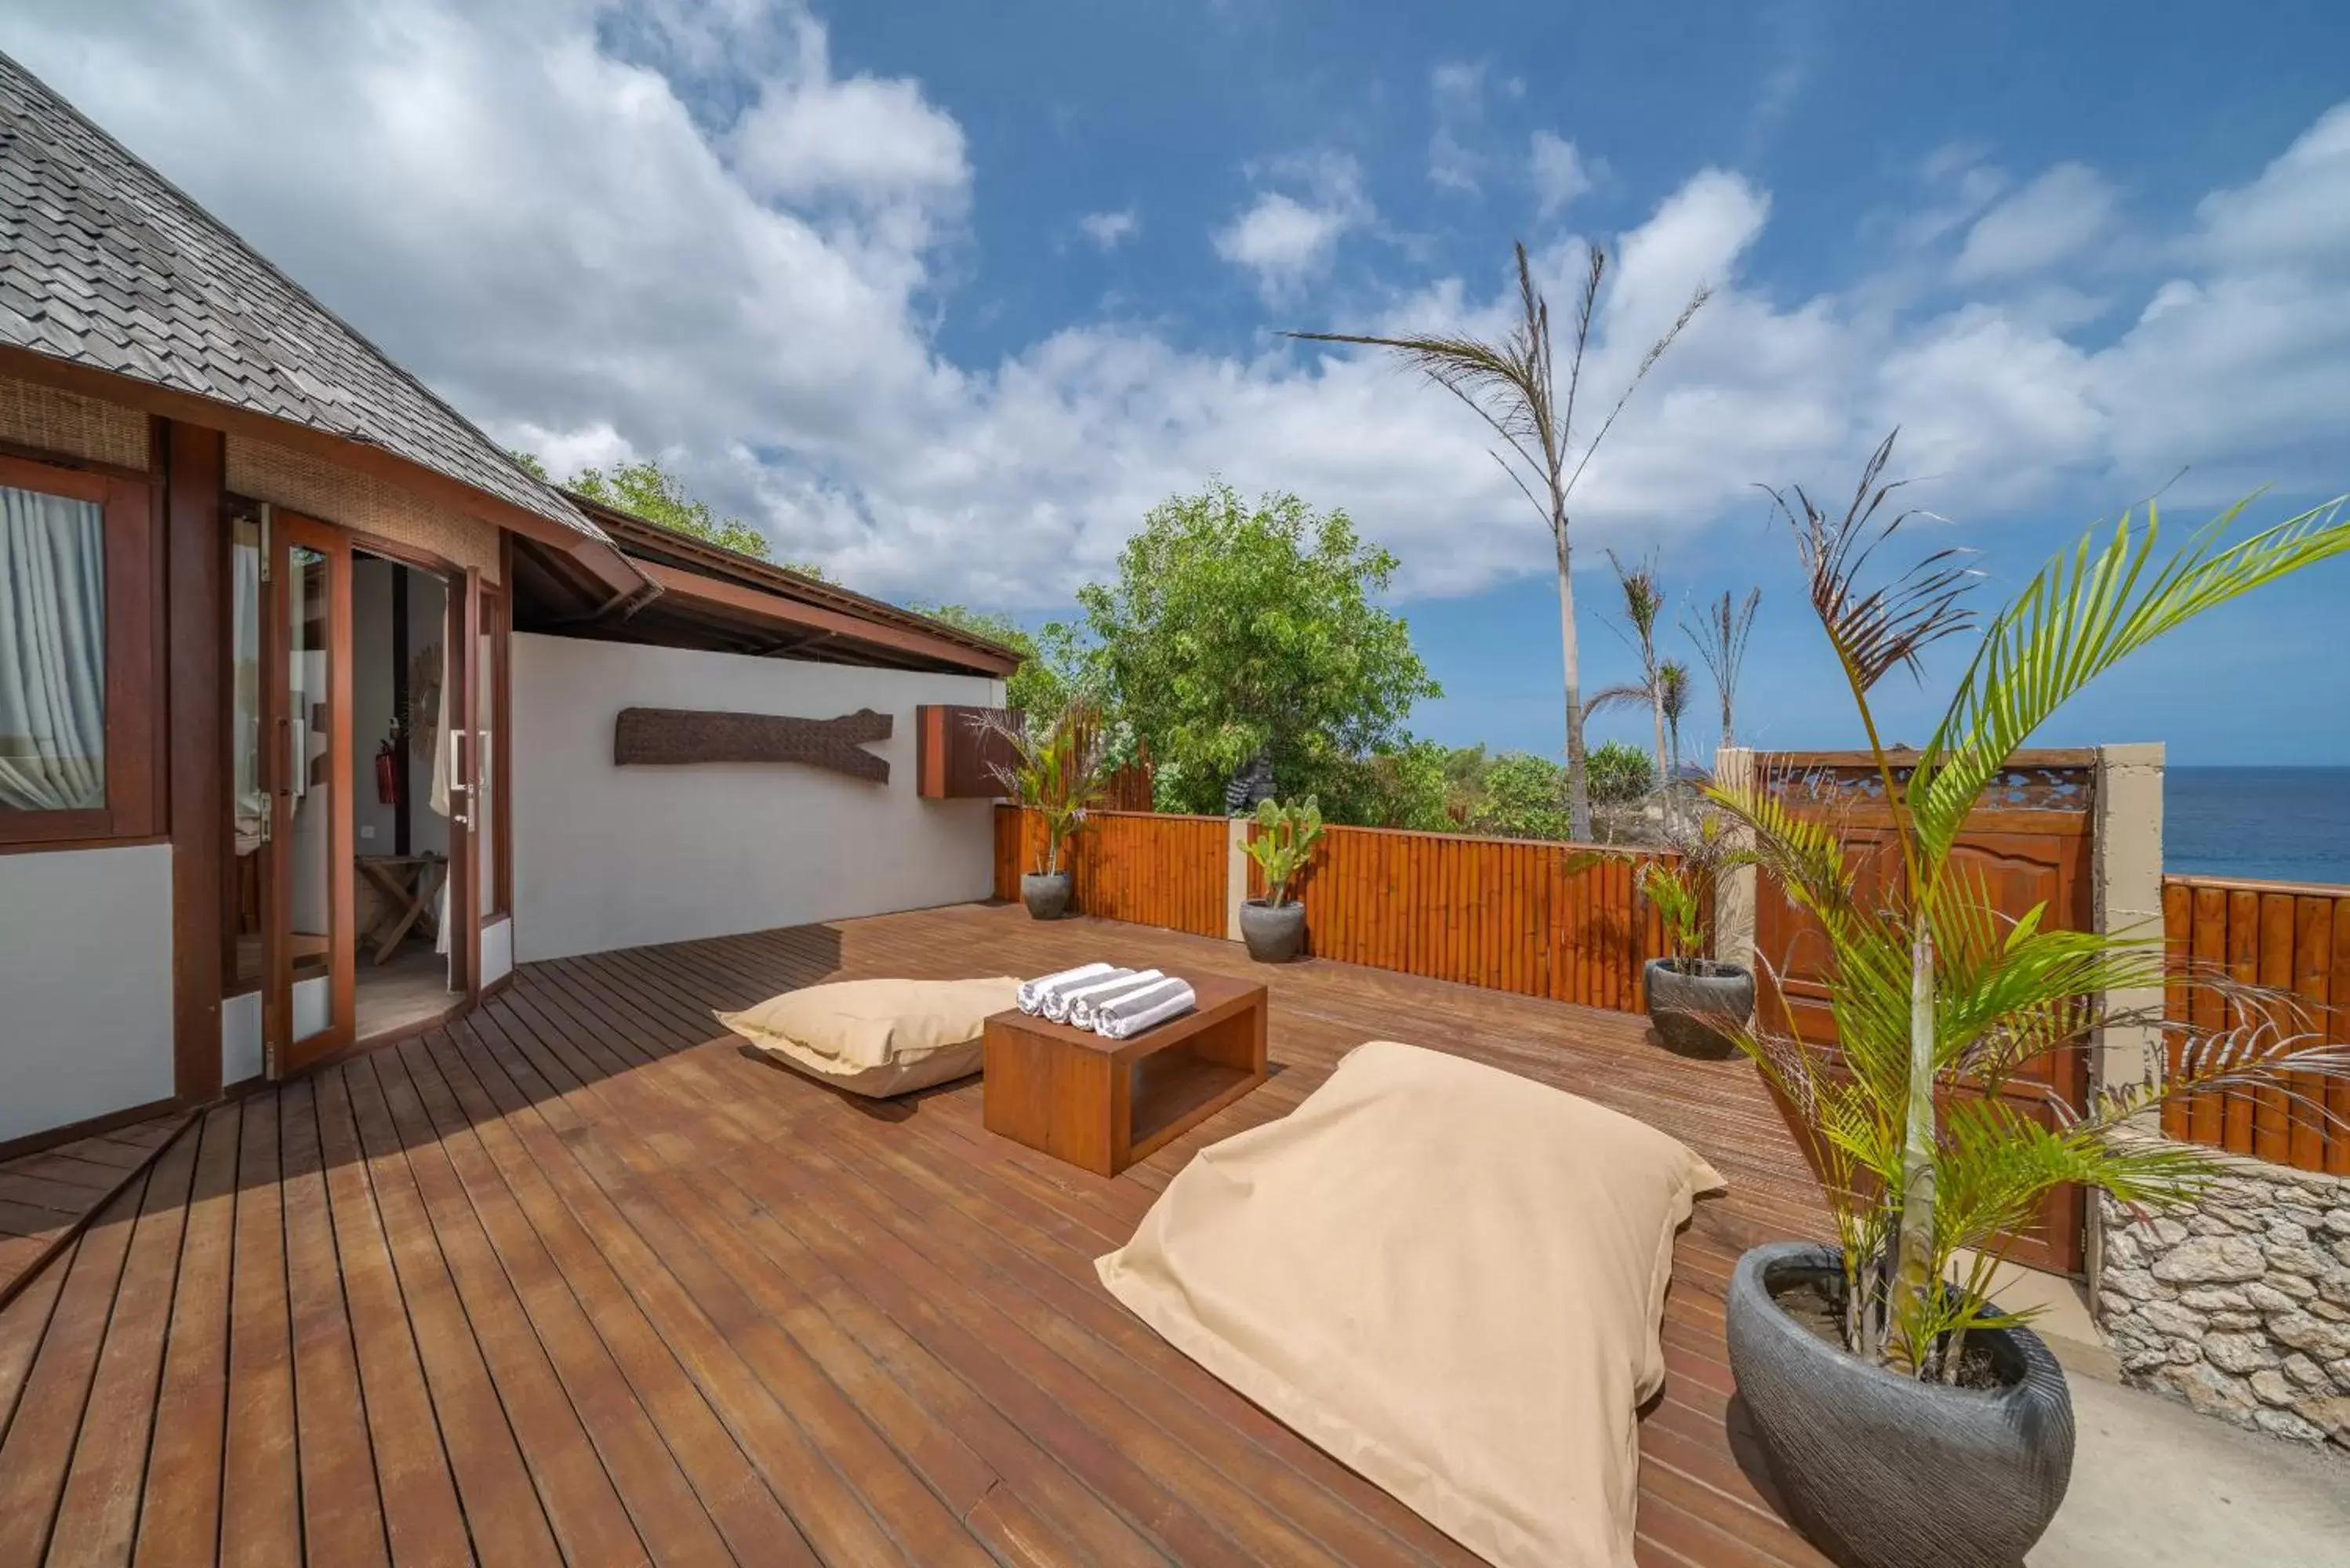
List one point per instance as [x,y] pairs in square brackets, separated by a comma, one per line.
[2290,937]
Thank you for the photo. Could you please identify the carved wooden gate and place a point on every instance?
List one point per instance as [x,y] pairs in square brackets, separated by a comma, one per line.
[2030,841]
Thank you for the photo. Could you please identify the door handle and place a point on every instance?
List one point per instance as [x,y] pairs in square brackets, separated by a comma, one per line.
[457,779]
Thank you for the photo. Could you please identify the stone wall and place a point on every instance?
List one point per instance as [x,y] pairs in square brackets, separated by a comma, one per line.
[2242,1305]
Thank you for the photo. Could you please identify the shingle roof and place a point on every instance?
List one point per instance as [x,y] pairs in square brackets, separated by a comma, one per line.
[105,263]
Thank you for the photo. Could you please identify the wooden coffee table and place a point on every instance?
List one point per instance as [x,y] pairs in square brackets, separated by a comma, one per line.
[1104,1103]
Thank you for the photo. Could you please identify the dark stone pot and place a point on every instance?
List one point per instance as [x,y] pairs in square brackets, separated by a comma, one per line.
[1275,933]
[1047,894]
[1690,1010]
[1883,1471]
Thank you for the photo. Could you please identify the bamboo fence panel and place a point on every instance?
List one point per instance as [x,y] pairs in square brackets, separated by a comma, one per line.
[1538,919]
[2289,937]
[1533,917]
[1152,868]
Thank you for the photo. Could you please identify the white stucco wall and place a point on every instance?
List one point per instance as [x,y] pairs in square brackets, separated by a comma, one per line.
[85,984]
[608,857]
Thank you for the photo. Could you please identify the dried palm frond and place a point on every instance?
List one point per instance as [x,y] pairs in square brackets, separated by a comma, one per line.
[1874,630]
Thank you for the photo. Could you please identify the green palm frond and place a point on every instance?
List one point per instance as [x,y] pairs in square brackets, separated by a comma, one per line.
[2087,609]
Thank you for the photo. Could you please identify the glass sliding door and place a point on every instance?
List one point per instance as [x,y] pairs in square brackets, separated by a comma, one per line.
[306,696]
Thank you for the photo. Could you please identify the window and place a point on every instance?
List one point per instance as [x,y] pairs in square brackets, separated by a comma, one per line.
[77,642]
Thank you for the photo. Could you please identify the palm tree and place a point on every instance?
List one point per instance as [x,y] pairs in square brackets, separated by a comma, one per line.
[1672,702]
[1644,606]
[1511,386]
[1933,989]
[1722,643]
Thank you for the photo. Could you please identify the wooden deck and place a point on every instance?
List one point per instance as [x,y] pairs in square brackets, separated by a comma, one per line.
[574,1279]
[46,1196]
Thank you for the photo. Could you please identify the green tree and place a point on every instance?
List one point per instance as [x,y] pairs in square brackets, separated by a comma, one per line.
[1052,665]
[657,496]
[1525,797]
[1620,771]
[654,493]
[1233,630]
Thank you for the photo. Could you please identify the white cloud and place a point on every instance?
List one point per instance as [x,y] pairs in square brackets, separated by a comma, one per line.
[1284,239]
[598,265]
[1111,230]
[1457,90]
[1557,171]
[2048,221]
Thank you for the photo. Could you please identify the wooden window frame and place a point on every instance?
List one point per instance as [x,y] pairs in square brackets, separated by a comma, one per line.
[133,661]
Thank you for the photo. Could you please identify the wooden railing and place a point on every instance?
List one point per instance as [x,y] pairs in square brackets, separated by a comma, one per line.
[1150,868]
[2284,936]
[1538,919]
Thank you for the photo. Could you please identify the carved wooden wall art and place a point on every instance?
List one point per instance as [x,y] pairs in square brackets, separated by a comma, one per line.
[670,735]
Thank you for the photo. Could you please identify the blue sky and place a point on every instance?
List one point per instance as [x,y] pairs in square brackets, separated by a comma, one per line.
[944,296]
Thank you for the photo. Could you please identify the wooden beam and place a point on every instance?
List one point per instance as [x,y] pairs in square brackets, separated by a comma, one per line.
[673,735]
[192,460]
[777,610]
[604,561]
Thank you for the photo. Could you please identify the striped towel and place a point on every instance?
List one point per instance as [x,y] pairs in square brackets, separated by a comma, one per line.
[1032,992]
[1132,1014]
[1064,997]
[1086,1005]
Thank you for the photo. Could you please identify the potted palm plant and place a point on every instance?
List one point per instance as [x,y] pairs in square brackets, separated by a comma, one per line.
[1053,767]
[1694,999]
[1272,926]
[1906,1419]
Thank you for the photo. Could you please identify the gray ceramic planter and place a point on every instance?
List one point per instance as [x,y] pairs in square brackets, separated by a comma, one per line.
[1691,1012]
[1045,894]
[1881,1471]
[1274,933]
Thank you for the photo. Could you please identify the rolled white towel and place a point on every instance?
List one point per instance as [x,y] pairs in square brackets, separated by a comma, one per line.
[1032,992]
[1127,1003]
[1085,1005]
[1171,1002]
[1057,1004]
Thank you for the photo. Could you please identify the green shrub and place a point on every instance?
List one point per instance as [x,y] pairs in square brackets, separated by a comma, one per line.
[1619,771]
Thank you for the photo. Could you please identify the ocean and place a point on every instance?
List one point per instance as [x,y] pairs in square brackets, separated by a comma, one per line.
[2288,824]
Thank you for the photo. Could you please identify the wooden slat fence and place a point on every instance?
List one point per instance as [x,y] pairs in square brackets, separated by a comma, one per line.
[1154,869]
[2291,937]
[1537,917]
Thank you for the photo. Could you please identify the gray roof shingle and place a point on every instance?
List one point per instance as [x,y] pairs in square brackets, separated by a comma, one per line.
[105,263]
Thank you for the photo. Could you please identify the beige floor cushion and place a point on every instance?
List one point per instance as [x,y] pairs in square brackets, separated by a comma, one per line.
[1450,1278]
[878,1037]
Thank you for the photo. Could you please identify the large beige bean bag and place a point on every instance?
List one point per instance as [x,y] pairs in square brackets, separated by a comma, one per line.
[878,1037]
[1450,1278]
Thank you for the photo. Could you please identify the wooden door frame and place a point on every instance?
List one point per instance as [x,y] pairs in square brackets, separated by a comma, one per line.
[461,640]
[282,1054]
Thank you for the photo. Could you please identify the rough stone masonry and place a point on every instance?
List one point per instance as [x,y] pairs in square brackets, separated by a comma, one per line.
[2242,1305]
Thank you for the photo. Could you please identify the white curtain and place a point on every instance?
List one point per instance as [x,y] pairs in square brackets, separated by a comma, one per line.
[52,652]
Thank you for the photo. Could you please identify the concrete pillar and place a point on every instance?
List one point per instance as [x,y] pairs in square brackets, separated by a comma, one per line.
[2125,898]
[1236,873]
[2126,871]
[1735,891]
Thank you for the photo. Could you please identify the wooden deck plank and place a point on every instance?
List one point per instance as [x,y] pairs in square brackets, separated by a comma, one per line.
[342,1511]
[670,1520]
[745,1510]
[414,1482]
[179,1515]
[575,1276]
[37,1448]
[99,1511]
[261,1502]
[504,1511]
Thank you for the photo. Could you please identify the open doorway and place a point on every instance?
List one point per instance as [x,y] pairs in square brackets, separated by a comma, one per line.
[402,802]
